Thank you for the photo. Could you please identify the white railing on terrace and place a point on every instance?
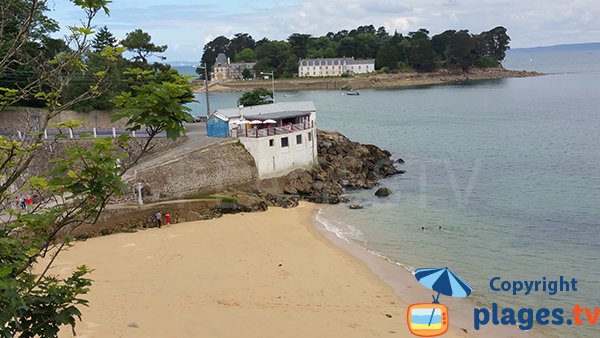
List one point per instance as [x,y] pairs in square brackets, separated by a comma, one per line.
[272,131]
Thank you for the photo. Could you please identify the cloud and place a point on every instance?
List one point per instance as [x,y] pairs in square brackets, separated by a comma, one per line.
[193,23]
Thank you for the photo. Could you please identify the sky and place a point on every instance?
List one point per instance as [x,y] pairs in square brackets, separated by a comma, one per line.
[186,26]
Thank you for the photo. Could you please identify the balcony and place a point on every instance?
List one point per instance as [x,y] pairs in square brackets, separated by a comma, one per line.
[272,131]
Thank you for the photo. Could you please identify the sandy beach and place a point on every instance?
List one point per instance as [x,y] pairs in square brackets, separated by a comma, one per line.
[267,274]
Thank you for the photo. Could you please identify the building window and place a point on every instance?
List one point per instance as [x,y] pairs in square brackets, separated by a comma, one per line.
[284,142]
[309,136]
[298,139]
[271,142]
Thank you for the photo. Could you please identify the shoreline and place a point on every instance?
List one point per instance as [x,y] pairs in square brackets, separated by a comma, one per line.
[397,276]
[260,274]
[376,81]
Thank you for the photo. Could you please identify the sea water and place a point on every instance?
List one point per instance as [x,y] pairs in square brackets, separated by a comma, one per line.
[510,169]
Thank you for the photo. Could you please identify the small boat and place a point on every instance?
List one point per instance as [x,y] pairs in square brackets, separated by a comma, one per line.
[352,92]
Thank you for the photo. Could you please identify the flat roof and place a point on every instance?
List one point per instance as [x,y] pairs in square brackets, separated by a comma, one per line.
[278,107]
[277,116]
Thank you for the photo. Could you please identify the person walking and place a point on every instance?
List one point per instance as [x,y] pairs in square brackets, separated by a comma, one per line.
[158,218]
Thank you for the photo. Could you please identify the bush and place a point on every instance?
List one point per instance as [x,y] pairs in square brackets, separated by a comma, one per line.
[486,62]
[384,70]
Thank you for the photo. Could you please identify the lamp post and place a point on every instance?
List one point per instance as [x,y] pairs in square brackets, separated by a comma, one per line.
[203,65]
[272,82]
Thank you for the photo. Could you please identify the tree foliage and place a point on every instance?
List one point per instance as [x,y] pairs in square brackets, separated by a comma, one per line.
[256,97]
[103,38]
[140,44]
[416,50]
[75,185]
[156,105]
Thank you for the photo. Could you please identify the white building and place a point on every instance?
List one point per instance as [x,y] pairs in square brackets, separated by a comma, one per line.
[334,67]
[280,136]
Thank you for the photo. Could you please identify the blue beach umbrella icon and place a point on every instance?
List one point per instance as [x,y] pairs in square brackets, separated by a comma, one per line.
[443,281]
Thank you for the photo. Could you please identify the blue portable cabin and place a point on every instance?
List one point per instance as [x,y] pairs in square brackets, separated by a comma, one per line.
[217,126]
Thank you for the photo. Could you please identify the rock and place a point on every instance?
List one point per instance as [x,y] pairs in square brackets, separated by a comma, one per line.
[133,325]
[249,203]
[342,164]
[351,163]
[383,192]
[356,206]
[344,199]
[400,161]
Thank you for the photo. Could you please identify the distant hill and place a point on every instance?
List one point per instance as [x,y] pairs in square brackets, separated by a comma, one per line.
[559,48]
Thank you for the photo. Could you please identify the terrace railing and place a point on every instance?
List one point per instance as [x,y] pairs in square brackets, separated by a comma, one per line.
[272,131]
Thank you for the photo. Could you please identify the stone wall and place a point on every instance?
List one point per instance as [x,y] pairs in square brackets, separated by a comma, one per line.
[31,118]
[132,217]
[212,169]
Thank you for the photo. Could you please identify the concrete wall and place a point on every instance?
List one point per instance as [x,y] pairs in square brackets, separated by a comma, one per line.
[272,159]
[212,169]
[28,119]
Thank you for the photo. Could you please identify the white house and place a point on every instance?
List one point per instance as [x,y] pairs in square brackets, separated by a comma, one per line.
[280,136]
[334,67]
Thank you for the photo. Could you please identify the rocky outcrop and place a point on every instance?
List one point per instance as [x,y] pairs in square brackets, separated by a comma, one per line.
[343,165]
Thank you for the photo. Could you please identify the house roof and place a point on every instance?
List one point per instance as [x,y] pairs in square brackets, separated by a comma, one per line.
[334,61]
[276,116]
[272,108]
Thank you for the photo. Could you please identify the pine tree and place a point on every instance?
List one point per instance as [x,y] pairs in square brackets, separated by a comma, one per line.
[103,38]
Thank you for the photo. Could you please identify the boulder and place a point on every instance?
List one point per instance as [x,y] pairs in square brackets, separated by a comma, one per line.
[356,206]
[383,192]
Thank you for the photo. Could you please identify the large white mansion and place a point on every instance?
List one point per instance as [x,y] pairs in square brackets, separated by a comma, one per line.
[334,67]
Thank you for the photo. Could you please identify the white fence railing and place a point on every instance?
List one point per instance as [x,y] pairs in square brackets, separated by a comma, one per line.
[78,133]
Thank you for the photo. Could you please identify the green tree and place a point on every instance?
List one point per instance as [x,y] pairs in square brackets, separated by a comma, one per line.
[24,43]
[277,56]
[321,47]
[218,45]
[461,50]
[139,43]
[421,54]
[103,38]
[390,52]
[496,42]
[238,43]
[256,97]
[440,43]
[156,105]
[246,55]
[72,192]
[299,44]
[246,74]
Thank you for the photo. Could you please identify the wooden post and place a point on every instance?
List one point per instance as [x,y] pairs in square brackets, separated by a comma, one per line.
[114,132]
[95,134]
